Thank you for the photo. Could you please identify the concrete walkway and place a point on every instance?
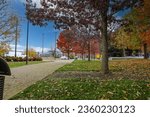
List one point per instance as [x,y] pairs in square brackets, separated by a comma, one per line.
[23,77]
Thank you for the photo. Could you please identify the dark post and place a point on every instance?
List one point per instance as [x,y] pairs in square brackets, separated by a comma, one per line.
[55,43]
[27,42]
[42,43]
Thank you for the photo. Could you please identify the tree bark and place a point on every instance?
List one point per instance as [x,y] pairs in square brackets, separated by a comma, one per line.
[89,52]
[105,67]
[145,51]
[68,54]
[124,52]
[82,56]
[16,39]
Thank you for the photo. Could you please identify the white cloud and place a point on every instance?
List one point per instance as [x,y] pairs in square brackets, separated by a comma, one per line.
[39,49]
[19,47]
[22,48]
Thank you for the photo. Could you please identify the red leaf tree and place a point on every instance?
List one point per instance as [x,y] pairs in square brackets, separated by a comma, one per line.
[80,47]
[66,42]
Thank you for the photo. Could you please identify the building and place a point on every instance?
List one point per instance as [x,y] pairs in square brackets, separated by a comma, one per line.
[12,53]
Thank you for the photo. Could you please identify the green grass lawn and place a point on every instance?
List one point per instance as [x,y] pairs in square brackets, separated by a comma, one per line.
[115,65]
[80,65]
[81,89]
[19,64]
[130,79]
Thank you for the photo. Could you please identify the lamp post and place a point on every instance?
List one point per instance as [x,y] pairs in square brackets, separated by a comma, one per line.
[27,42]
[42,43]
[55,44]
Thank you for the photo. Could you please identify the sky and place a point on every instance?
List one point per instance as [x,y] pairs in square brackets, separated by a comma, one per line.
[36,33]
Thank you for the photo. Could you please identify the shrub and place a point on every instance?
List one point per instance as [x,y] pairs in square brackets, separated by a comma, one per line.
[30,59]
[20,59]
[8,58]
[15,59]
[34,58]
[71,57]
[39,59]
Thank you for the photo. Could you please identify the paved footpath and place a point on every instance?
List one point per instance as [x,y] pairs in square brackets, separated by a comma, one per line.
[23,77]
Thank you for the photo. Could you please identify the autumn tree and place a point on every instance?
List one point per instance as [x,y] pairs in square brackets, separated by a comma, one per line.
[31,52]
[100,14]
[145,36]
[80,47]
[143,17]
[4,48]
[126,40]
[81,41]
[66,42]
[140,26]
[85,40]
[86,35]
[95,48]
[121,40]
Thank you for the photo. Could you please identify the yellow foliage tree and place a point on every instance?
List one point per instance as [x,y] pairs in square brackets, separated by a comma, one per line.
[140,18]
[124,40]
[143,17]
[31,52]
[4,48]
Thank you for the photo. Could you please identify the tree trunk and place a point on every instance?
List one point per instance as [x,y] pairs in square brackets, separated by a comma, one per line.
[94,55]
[105,67]
[82,56]
[15,47]
[16,39]
[145,51]
[124,52]
[68,54]
[89,52]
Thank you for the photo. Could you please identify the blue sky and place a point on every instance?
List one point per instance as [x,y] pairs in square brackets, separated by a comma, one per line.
[35,32]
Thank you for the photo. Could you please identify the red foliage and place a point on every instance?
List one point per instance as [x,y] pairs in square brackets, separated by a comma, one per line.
[95,46]
[81,46]
[65,42]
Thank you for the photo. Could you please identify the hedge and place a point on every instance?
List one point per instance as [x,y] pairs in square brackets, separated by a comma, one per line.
[20,59]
